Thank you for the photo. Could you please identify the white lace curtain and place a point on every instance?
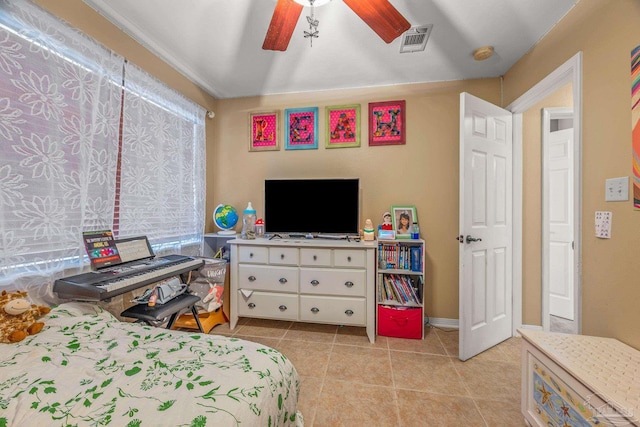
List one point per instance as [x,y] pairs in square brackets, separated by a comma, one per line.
[61,96]
[163,165]
[59,117]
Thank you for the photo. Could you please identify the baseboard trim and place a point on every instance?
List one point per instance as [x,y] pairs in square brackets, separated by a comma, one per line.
[442,322]
[454,323]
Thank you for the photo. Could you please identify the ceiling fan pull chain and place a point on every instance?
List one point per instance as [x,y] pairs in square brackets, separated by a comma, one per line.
[313,25]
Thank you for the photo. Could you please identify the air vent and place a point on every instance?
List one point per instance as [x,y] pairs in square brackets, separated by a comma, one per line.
[415,38]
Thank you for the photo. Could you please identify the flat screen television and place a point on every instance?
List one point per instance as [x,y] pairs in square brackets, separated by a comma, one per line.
[312,206]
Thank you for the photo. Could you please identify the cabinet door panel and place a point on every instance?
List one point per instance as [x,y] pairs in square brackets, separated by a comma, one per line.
[335,310]
[283,256]
[349,258]
[253,254]
[268,305]
[267,278]
[315,257]
[333,281]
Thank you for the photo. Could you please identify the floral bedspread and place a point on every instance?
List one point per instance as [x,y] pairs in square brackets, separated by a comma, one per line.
[87,369]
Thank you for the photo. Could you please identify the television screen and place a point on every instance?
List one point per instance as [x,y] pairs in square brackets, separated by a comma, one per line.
[311,206]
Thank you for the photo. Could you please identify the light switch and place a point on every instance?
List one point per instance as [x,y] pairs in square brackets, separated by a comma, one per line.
[617,189]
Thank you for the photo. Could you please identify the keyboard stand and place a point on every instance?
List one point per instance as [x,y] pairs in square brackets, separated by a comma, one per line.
[152,315]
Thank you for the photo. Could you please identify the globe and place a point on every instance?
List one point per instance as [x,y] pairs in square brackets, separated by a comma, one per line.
[225,217]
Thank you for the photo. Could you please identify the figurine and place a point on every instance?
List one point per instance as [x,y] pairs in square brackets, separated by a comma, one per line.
[386,222]
[368,230]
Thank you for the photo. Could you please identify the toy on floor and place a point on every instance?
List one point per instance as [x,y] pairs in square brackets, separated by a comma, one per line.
[18,317]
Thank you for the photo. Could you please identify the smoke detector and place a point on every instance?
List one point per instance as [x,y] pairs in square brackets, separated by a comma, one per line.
[415,38]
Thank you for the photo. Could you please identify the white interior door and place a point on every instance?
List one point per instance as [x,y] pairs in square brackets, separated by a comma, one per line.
[558,230]
[485,225]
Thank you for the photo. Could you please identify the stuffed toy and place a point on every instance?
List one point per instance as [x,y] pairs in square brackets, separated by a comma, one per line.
[18,317]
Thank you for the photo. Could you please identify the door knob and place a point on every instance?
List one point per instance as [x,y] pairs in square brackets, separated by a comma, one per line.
[470,239]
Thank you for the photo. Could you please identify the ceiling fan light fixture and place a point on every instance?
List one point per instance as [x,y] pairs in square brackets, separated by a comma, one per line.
[482,53]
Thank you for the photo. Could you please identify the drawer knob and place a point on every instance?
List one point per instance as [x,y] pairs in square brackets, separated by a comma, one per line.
[282,280]
[252,278]
[349,258]
[282,307]
[251,255]
[315,257]
[349,312]
[314,282]
[252,305]
[348,284]
[281,256]
[315,310]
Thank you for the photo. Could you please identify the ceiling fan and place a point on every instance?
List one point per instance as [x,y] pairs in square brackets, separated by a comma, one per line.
[380,15]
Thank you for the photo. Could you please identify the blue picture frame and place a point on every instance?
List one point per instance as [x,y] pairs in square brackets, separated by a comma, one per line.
[301,128]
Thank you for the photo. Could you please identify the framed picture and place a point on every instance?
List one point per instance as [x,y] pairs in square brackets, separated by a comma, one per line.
[402,217]
[343,126]
[387,123]
[302,128]
[265,131]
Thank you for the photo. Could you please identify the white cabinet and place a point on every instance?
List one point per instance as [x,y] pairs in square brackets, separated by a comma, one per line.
[316,281]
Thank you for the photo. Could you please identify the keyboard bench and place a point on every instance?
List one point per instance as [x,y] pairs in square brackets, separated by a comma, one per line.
[159,312]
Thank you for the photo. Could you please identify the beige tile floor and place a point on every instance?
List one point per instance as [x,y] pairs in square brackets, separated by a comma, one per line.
[347,381]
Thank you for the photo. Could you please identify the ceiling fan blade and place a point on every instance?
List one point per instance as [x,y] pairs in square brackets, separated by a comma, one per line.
[381,16]
[283,22]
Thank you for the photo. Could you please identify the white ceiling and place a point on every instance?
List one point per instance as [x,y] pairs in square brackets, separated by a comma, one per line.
[218,43]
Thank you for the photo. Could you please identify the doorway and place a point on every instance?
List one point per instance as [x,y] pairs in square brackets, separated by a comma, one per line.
[569,72]
[558,308]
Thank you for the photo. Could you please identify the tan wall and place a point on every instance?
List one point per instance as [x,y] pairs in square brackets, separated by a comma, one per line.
[424,172]
[532,203]
[605,31]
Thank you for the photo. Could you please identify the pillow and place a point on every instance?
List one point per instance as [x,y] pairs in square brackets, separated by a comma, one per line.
[18,316]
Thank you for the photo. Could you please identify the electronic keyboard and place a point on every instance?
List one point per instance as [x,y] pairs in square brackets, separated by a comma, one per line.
[109,282]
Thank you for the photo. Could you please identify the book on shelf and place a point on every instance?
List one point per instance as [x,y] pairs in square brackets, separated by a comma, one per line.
[400,256]
[399,288]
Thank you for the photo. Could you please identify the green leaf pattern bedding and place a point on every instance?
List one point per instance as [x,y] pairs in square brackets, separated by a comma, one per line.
[86,368]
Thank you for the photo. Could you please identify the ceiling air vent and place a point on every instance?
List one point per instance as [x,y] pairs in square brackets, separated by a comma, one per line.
[415,38]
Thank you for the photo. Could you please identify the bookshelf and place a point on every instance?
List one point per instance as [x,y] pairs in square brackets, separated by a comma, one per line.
[400,288]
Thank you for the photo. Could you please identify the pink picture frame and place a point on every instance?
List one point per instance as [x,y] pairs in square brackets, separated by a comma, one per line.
[264,131]
[387,124]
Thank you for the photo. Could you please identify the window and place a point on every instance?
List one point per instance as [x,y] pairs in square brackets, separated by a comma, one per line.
[82,151]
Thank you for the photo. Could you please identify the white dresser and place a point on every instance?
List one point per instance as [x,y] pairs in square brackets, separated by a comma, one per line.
[304,280]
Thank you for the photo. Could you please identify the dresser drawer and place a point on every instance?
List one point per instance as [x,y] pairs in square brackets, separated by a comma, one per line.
[335,310]
[268,278]
[253,254]
[349,258]
[315,257]
[269,305]
[283,256]
[326,281]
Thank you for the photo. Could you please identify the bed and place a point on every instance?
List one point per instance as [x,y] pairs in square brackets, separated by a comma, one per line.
[87,368]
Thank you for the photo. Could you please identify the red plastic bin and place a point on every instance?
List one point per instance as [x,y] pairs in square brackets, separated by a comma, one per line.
[400,322]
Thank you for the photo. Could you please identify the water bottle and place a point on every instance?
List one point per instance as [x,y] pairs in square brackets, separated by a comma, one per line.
[415,231]
[248,223]
[260,228]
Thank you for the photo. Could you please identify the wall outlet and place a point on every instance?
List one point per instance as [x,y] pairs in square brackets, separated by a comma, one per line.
[617,189]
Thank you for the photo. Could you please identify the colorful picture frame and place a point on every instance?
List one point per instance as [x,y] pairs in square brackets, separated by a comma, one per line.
[402,217]
[264,131]
[343,126]
[301,128]
[387,123]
